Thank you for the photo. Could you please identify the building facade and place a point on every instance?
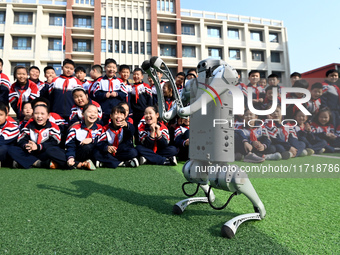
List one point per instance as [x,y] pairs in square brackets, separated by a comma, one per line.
[131,31]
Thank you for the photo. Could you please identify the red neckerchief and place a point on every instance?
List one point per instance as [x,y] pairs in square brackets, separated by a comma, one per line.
[284,131]
[39,135]
[252,135]
[66,82]
[155,144]
[169,103]
[89,133]
[324,128]
[257,93]
[111,88]
[136,89]
[116,140]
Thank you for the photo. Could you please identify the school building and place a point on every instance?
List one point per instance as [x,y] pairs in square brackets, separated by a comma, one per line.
[131,31]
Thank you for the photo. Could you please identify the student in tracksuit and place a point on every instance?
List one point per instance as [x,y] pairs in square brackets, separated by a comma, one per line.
[182,138]
[5,85]
[154,139]
[82,140]
[8,133]
[115,147]
[38,143]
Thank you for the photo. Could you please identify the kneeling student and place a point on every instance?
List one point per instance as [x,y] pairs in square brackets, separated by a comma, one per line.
[115,147]
[38,143]
[154,138]
[82,140]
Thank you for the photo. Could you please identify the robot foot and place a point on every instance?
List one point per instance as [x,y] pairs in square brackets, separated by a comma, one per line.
[181,205]
[229,228]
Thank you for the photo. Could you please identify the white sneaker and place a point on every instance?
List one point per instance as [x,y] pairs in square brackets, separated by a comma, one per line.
[310,151]
[99,164]
[320,151]
[142,160]
[173,161]
[303,153]
[273,156]
[132,163]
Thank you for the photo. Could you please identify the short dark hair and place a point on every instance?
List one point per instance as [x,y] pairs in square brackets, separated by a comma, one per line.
[316,85]
[273,75]
[192,70]
[324,109]
[331,71]
[98,68]
[80,69]
[34,67]
[69,61]
[253,71]
[180,74]
[269,88]
[301,84]
[118,109]
[48,68]
[109,61]
[87,106]
[295,74]
[16,70]
[3,107]
[1,61]
[138,69]
[40,99]
[122,67]
[43,105]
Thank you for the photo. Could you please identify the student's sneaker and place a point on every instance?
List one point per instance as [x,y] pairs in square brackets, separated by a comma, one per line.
[121,164]
[88,164]
[238,156]
[310,151]
[99,164]
[320,151]
[304,153]
[37,163]
[142,160]
[173,161]
[15,164]
[253,158]
[273,156]
[286,155]
[53,165]
[132,163]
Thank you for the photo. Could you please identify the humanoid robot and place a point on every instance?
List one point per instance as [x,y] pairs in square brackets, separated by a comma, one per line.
[211,148]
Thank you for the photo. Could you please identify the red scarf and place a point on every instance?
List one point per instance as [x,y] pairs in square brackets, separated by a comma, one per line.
[155,144]
[111,88]
[136,90]
[89,133]
[116,140]
[285,133]
[252,135]
[39,135]
[257,93]
[66,83]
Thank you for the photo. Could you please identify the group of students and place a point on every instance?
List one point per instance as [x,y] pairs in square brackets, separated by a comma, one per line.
[260,138]
[68,122]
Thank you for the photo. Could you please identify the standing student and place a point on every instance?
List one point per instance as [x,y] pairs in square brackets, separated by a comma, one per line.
[8,134]
[124,73]
[96,75]
[5,85]
[182,138]
[61,90]
[154,139]
[38,143]
[50,74]
[34,73]
[110,91]
[80,73]
[115,146]
[82,140]
[22,90]
[179,80]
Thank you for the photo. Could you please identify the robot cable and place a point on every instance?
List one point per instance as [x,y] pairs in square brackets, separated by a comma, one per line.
[225,205]
[198,185]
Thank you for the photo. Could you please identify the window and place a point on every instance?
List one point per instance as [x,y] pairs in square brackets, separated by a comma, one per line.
[129,24]
[22,43]
[1,42]
[116,46]
[168,50]
[129,47]
[233,33]
[148,25]
[109,23]
[257,55]
[136,47]
[167,27]
[215,53]
[2,17]
[82,21]
[54,44]
[81,45]
[116,23]
[188,29]
[135,24]
[103,21]
[189,51]
[25,64]
[123,45]
[274,37]
[214,32]
[23,18]
[57,68]
[256,36]
[110,46]
[56,19]
[171,5]
[103,45]
[275,57]
[122,23]
[234,54]
[158,5]
[87,68]
[142,48]
[142,25]
[148,48]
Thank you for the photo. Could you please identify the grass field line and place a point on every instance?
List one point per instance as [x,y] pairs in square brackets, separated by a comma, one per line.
[325,156]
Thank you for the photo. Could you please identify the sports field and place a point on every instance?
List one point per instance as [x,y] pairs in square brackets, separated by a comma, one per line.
[129,211]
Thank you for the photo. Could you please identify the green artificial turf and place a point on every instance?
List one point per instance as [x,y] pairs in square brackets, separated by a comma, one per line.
[129,211]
